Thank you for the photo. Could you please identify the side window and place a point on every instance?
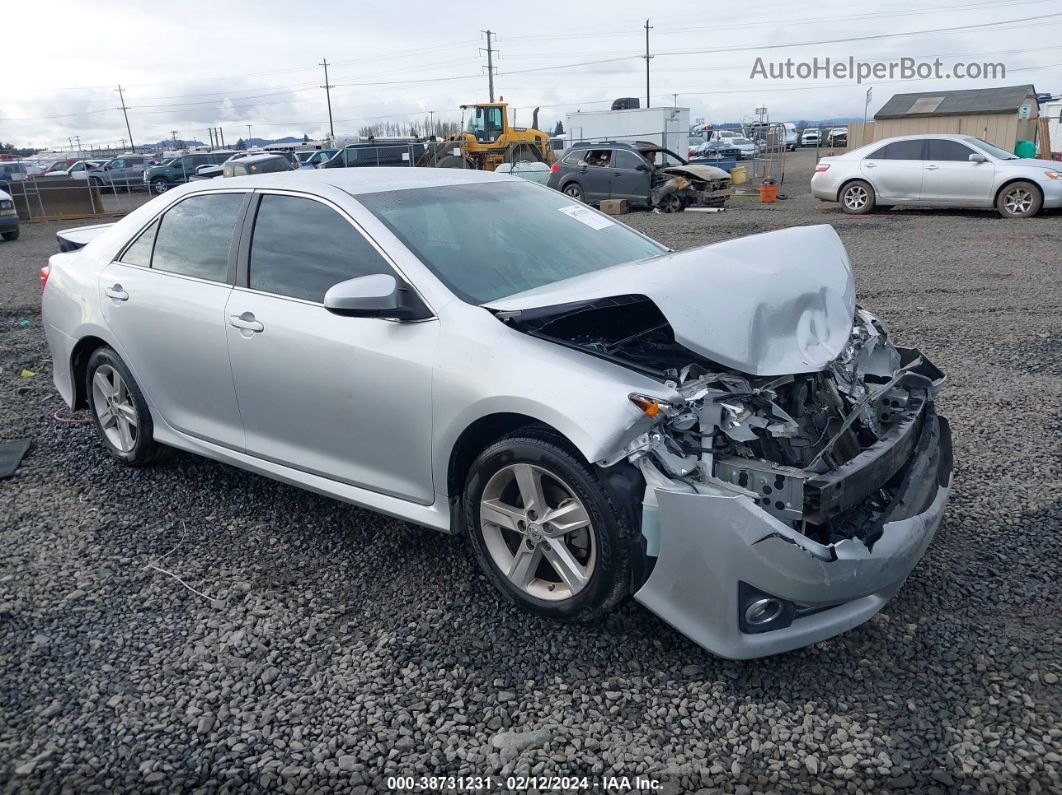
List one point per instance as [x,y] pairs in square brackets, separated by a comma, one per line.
[140,252]
[941,149]
[905,150]
[598,157]
[285,260]
[195,235]
[117,164]
[879,154]
[350,156]
[572,158]
[629,161]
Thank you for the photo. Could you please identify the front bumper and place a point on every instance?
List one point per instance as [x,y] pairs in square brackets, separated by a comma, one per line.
[1052,193]
[8,223]
[717,548]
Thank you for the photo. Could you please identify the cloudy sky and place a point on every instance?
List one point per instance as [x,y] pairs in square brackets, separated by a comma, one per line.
[197,65]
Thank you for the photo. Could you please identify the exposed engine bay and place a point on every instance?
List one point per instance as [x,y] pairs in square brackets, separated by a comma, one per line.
[822,451]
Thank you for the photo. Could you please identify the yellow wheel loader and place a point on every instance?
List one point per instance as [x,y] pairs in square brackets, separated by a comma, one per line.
[486,140]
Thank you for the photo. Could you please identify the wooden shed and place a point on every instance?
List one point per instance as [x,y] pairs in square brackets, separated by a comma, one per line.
[1002,116]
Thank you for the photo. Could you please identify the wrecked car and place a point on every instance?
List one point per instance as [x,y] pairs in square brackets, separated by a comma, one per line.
[720,432]
[644,174]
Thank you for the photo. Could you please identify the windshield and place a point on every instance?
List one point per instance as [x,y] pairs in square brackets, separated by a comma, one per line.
[489,240]
[995,151]
[742,141]
[662,158]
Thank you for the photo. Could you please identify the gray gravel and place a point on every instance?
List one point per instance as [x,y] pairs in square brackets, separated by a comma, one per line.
[331,647]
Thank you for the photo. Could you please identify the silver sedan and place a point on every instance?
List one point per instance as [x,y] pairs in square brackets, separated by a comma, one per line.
[938,171]
[720,432]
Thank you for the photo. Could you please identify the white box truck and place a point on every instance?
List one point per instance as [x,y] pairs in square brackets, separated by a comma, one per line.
[666,127]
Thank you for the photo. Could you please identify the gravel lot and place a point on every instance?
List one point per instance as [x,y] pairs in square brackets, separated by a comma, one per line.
[330,647]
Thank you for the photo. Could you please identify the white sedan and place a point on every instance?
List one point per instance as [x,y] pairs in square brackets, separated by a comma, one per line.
[939,171]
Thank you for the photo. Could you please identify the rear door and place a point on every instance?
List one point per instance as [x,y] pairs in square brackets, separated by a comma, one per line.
[345,398]
[630,176]
[895,170]
[164,301]
[950,178]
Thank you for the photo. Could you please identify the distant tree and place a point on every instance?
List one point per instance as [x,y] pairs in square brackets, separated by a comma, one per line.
[240,144]
[558,129]
[801,126]
[305,138]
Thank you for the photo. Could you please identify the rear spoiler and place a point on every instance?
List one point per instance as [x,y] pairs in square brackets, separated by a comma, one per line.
[79,236]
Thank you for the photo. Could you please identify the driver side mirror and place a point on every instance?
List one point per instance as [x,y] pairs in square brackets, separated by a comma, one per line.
[377,295]
[976,157]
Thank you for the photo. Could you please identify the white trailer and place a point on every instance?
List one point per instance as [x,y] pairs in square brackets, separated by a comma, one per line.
[1053,111]
[666,127]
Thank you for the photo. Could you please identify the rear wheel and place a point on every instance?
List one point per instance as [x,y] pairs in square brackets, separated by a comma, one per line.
[1019,200]
[544,529]
[119,410]
[857,197]
[574,190]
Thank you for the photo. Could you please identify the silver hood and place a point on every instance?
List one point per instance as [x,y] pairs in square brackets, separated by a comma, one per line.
[779,303]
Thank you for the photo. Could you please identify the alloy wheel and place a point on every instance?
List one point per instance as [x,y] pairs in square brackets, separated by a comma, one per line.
[1018,201]
[537,532]
[115,408]
[855,198]
[574,191]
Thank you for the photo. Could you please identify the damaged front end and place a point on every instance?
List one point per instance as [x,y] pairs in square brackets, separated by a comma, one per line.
[779,509]
[707,186]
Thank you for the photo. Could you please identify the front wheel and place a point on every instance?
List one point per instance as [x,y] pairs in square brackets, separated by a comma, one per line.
[159,186]
[10,236]
[119,410]
[1019,200]
[857,198]
[545,530]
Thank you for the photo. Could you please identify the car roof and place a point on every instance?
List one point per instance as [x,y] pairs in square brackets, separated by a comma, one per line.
[361,180]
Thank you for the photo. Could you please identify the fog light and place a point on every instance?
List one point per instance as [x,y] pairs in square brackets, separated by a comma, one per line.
[763,611]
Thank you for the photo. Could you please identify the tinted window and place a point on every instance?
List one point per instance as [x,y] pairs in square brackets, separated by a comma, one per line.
[899,150]
[194,237]
[287,259]
[572,157]
[140,252]
[940,149]
[627,160]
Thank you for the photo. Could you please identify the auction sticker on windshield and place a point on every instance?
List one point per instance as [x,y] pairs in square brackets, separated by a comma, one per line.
[587,216]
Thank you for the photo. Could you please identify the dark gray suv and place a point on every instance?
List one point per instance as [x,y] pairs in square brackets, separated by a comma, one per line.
[641,172]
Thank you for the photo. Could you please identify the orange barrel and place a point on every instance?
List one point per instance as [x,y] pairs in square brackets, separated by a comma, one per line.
[768,191]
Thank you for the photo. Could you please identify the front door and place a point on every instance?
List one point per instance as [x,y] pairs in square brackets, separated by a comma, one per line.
[951,178]
[164,300]
[895,170]
[595,175]
[630,176]
[345,398]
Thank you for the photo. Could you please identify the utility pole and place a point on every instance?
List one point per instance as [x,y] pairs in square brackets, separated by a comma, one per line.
[221,133]
[248,134]
[210,132]
[125,112]
[328,97]
[431,123]
[78,139]
[648,58]
[174,134]
[490,62]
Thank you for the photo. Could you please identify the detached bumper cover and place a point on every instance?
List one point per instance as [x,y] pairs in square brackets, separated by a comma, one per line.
[713,545]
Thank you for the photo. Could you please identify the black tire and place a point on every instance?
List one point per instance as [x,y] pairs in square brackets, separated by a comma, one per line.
[672,203]
[159,185]
[574,190]
[11,236]
[454,161]
[145,450]
[609,582]
[857,197]
[1019,200]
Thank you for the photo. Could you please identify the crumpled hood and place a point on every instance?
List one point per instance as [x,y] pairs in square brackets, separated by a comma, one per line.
[703,172]
[779,303]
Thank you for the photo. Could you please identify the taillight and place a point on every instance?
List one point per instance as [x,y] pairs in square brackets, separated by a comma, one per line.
[45,272]
[822,167]
[555,167]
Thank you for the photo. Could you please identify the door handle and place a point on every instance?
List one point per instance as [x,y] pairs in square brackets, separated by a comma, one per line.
[871,165]
[932,168]
[117,293]
[246,322]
